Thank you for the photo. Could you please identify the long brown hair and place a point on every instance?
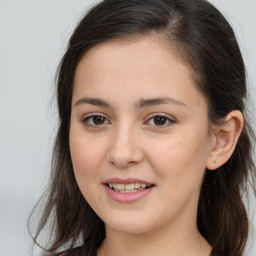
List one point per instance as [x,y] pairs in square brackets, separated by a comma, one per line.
[204,39]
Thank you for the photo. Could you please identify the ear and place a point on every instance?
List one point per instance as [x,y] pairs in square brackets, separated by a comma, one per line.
[224,140]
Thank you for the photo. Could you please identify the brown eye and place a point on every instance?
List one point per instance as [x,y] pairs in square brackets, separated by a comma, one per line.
[98,120]
[160,120]
[95,120]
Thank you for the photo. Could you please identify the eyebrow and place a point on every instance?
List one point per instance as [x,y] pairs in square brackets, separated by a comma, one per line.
[157,101]
[92,101]
[140,104]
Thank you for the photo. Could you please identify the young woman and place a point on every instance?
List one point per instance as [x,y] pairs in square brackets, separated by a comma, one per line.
[153,153]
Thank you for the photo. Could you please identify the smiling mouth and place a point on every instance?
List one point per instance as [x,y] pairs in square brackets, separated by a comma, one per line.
[128,188]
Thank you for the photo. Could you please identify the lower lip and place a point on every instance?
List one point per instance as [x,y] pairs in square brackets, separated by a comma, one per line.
[127,197]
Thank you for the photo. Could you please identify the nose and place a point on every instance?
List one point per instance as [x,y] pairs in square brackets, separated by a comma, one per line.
[125,147]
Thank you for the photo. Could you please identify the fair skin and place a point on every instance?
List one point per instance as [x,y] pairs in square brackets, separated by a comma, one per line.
[137,114]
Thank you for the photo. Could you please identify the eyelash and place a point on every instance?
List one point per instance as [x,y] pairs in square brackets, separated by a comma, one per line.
[166,118]
[86,119]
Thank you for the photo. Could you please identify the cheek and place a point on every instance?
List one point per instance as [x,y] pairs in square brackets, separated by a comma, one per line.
[180,158]
[86,158]
[86,154]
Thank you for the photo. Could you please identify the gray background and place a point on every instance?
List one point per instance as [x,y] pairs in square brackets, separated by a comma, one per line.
[33,36]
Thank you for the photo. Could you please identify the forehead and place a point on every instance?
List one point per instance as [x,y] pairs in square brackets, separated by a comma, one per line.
[143,65]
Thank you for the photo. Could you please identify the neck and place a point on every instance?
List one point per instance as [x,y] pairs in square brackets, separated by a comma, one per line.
[159,242]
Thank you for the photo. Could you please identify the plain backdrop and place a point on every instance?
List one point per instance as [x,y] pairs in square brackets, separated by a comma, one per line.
[33,37]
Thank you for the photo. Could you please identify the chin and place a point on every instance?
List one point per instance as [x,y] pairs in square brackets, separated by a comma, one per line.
[130,229]
[129,225]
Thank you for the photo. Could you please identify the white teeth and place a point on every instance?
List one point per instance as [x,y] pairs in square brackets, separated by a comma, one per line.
[137,185]
[127,188]
[143,185]
[127,191]
[120,186]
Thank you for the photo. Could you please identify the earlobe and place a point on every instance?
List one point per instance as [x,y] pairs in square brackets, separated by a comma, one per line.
[225,139]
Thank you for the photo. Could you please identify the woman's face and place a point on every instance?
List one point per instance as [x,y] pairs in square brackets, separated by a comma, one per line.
[139,136]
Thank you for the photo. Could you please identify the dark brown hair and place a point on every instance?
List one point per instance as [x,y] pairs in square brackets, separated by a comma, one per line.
[204,39]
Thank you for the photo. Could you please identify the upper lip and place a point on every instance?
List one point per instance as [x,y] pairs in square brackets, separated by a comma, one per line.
[126,181]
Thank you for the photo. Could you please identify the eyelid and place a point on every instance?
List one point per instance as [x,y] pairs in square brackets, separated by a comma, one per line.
[168,117]
[93,114]
[161,114]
